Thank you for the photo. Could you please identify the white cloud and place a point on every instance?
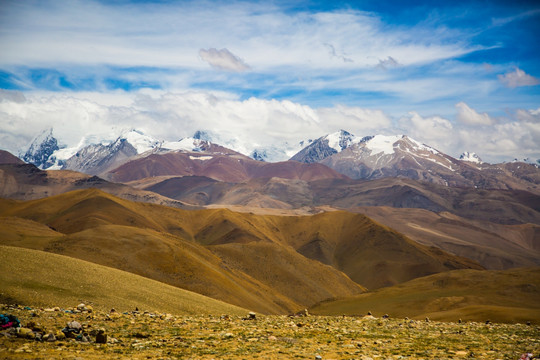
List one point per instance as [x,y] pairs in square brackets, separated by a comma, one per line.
[433,130]
[518,78]
[169,34]
[358,120]
[223,60]
[248,124]
[469,116]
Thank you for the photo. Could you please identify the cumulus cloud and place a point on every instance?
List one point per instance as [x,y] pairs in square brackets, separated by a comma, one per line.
[358,120]
[246,123]
[469,116]
[435,131]
[223,60]
[518,78]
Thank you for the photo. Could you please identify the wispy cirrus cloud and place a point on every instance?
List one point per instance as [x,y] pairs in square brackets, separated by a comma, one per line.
[305,67]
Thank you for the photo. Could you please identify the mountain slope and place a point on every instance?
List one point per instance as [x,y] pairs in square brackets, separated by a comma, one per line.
[27,182]
[369,253]
[472,295]
[41,149]
[379,156]
[494,246]
[229,168]
[171,246]
[325,146]
[8,158]
[496,228]
[23,271]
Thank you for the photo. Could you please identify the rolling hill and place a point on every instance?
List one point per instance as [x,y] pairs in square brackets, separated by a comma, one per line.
[170,246]
[497,228]
[220,253]
[27,182]
[499,296]
[44,279]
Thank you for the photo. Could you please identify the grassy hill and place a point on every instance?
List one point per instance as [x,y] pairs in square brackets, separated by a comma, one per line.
[499,296]
[172,246]
[43,279]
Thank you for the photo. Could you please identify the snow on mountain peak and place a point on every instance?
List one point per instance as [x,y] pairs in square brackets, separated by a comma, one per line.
[185,144]
[471,157]
[340,140]
[382,144]
[40,149]
[139,140]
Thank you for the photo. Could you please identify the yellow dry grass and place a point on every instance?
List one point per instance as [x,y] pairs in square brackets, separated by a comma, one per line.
[500,296]
[43,279]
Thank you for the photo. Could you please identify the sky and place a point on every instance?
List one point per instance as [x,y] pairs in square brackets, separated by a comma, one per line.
[456,75]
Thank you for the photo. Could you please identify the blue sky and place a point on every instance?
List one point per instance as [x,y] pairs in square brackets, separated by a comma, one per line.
[459,75]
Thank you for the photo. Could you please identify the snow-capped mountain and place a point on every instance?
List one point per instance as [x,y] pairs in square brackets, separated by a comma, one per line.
[40,150]
[325,146]
[397,155]
[369,157]
[97,159]
[470,157]
[381,156]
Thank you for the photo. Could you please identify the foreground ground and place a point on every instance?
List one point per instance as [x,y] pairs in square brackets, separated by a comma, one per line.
[145,335]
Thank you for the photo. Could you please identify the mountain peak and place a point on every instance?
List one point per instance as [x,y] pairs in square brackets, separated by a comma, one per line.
[41,148]
[471,157]
[325,146]
[139,140]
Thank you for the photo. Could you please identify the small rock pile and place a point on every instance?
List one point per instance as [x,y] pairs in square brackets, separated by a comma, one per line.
[35,331]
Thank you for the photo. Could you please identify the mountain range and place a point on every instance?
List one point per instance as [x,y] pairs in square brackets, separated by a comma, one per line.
[343,216]
[370,157]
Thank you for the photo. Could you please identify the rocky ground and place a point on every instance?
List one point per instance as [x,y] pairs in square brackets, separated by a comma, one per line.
[146,335]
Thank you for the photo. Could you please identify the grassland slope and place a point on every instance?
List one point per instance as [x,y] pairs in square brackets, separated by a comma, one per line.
[495,295]
[43,279]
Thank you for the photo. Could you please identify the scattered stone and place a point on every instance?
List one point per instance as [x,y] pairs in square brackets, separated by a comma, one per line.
[101,337]
[60,335]
[84,338]
[72,329]
[386,316]
[50,337]
[427,319]
[318,357]
[25,333]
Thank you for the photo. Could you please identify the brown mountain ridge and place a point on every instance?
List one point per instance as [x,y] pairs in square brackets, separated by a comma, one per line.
[230,168]
[271,264]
